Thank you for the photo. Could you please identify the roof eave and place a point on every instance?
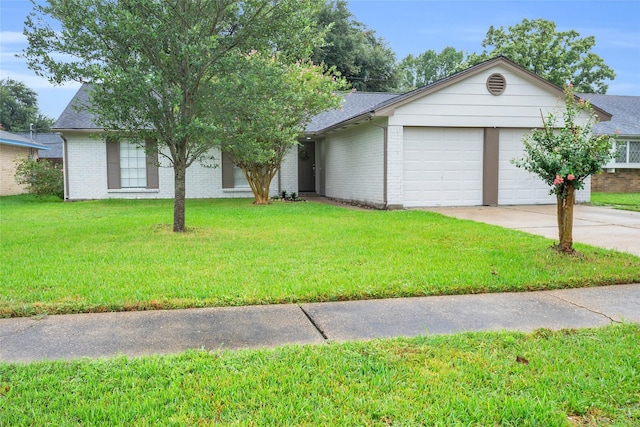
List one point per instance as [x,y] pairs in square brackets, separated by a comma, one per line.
[23,144]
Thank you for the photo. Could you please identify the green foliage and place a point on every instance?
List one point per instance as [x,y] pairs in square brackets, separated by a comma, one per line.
[574,377]
[42,178]
[152,63]
[355,51]
[121,255]
[19,108]
[560,57]
[570,154]
[269,102]
[428,67]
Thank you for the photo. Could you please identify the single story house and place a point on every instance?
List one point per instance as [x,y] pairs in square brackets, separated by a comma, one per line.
[14,148]
[446,144]
[622,174]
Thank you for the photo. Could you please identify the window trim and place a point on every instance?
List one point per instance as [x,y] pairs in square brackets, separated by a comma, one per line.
[113,168]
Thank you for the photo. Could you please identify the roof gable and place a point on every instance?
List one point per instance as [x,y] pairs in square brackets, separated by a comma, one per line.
[387,107]
[76,115]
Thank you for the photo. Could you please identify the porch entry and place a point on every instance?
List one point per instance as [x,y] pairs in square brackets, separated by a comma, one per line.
[307,167]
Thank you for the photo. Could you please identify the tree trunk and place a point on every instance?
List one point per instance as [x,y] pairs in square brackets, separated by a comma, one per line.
[179,198]
[260,182]
[565,219]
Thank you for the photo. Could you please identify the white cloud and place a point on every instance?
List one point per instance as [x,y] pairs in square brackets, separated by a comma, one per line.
[12,37]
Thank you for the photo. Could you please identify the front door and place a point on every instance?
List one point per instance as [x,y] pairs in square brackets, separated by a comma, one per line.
[307,167]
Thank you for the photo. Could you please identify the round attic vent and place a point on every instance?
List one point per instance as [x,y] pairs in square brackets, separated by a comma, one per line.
[496,84]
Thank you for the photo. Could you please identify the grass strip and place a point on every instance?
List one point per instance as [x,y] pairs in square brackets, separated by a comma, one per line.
[563,378]
[115,255]
[625,201]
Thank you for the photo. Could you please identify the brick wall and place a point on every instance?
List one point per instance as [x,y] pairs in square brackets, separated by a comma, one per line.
[620,181]
[354,165]
[86,164]
[9,154]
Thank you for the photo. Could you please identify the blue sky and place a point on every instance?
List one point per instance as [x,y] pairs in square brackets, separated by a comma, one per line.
[410,27]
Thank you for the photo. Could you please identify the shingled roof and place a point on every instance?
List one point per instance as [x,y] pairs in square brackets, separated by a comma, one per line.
[52,142]
[625,112]
[359,105]
[75,115]
[9,138]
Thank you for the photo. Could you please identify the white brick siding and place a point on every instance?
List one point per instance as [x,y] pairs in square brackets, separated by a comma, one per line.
[354,164]
[86,166]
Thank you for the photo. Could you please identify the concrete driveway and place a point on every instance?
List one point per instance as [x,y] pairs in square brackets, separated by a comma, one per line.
[594,225]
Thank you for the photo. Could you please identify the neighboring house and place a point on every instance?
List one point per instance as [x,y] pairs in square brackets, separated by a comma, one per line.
[14,148]
[52,141]
[447,144]
[622,175]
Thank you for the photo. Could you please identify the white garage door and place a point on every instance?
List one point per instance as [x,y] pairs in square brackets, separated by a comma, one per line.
[442,167]
[516,186]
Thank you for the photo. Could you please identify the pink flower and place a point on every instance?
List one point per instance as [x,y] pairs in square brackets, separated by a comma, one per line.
[570,177]
[570,85]
[618,131]
[559,180]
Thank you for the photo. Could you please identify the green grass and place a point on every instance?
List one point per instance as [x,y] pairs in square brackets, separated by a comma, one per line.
[583,378]
[121,255]
[626,201]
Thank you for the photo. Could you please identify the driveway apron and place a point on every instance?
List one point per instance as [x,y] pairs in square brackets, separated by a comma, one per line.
[594,225]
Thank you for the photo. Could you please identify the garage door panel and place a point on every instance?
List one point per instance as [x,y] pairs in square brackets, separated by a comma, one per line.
[443,167]
[517,186]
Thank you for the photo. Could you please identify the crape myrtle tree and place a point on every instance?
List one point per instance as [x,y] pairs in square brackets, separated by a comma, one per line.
[268,103]
[557,56]
[563,157]
[152,63]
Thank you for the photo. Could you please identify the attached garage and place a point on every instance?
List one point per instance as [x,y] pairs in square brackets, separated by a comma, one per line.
[442,167]
[450,143]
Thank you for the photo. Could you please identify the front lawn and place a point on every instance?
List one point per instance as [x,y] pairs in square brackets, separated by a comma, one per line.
[626,201]
[565,378]
[122,255]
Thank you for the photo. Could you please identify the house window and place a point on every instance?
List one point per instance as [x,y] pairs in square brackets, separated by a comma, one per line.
[628,152]
[133,166]
[129,167]
[239,180]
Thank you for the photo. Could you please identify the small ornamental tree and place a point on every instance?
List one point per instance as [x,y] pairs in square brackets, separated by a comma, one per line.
[268,102]
[42,178]
[565,156]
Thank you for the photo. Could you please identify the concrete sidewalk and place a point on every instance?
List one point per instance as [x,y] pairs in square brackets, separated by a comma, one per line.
[173,331]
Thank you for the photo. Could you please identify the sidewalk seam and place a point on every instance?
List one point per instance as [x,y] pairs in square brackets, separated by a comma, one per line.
[587,308]
[313,322]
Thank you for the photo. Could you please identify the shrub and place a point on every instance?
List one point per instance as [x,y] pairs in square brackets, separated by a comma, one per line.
[42,178]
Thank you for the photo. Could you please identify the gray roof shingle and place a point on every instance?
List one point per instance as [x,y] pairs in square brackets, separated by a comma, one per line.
[9,138]
[354,104]
[625,111]
[74,115]
[53,141]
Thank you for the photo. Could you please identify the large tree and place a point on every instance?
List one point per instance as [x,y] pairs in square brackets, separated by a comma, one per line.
[153,63]
[563,156]
[363,58]
[428,67]
[19,108]
[561,57]
[283,97]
